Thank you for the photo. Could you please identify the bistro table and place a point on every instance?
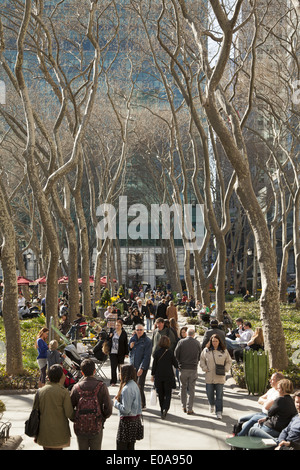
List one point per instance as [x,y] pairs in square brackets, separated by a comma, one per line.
[250,443]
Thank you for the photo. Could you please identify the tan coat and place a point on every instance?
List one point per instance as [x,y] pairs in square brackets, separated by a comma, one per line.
[207,364]
[172,312]
[55,411]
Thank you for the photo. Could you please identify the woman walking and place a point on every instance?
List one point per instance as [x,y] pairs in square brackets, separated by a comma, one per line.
[150,314]
[128,404]
[56,410]
[42,348]
[163,374]
[118,347]
[213,358]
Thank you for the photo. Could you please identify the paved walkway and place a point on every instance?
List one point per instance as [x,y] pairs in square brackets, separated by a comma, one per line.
[179,431]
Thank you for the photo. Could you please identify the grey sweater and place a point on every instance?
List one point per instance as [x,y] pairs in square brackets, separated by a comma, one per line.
[187,353]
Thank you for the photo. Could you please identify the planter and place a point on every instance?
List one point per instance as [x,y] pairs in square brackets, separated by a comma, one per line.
[256,365]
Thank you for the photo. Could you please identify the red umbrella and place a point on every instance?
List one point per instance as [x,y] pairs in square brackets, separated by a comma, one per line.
[63,280]
[91,280]
[23,281]
[41,280]
[103,280]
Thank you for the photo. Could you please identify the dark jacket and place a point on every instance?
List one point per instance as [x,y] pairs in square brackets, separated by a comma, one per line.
[161,311]
[292,433]
[187,353]
[140,354]
[213,331]
[164,332]
[123,345]
[162,367]
[281,413]
[149,310]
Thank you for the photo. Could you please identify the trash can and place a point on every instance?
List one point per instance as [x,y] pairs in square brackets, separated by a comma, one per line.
[256,366]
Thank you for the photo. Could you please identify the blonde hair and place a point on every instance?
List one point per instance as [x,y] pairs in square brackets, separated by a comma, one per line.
[286,386]
[53,344]
[258,335]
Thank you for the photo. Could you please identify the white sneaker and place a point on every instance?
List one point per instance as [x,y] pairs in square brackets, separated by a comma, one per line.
[219,415]
[211,409]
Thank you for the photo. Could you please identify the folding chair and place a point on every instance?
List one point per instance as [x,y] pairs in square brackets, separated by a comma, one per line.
[99,371]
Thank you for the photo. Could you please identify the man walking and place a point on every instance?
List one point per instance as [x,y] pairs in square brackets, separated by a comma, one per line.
[187,353]
[93,406]
[160,331]
[140,347]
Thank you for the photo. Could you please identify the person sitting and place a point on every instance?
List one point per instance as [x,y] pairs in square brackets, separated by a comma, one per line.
[239,328]
[279,415]
[213,330]
[24,311]
[257,340]
[246,296]
[256,343]
[227,320]
[98,349]
[64,324]
[289,438]
[242,338]
[92,329]
[246,422]
[35,310]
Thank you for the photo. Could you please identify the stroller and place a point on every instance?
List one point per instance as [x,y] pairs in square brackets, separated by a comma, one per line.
[72,362]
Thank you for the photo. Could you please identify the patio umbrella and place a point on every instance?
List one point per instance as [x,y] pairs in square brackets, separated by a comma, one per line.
[63,280]
[103,280]
[23,281]
[91,280]
[41,280]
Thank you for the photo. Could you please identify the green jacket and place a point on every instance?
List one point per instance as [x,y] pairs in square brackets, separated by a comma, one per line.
[55,411]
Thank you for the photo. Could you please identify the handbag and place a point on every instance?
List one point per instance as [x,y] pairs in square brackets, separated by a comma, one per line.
[220,368]
[140,429]
[32,424]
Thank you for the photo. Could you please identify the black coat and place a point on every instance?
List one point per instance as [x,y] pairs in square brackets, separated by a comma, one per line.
[162,367]
[123,345]
[161,311]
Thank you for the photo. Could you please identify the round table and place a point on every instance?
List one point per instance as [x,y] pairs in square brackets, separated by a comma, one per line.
[249,443]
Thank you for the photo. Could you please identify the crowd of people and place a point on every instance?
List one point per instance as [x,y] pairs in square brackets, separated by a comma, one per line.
[172,354]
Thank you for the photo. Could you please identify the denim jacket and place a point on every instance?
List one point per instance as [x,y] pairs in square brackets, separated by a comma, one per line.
[130,404]
[140,354]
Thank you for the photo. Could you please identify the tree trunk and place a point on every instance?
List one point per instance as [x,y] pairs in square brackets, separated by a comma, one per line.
[14,361]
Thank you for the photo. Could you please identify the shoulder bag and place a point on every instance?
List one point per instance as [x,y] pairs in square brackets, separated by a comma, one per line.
[33,422]
[220,368]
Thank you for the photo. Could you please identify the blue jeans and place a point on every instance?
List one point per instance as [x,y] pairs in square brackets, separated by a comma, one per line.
[214,394]
[232,344]
[249,421]
[263,431]
[149,322]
